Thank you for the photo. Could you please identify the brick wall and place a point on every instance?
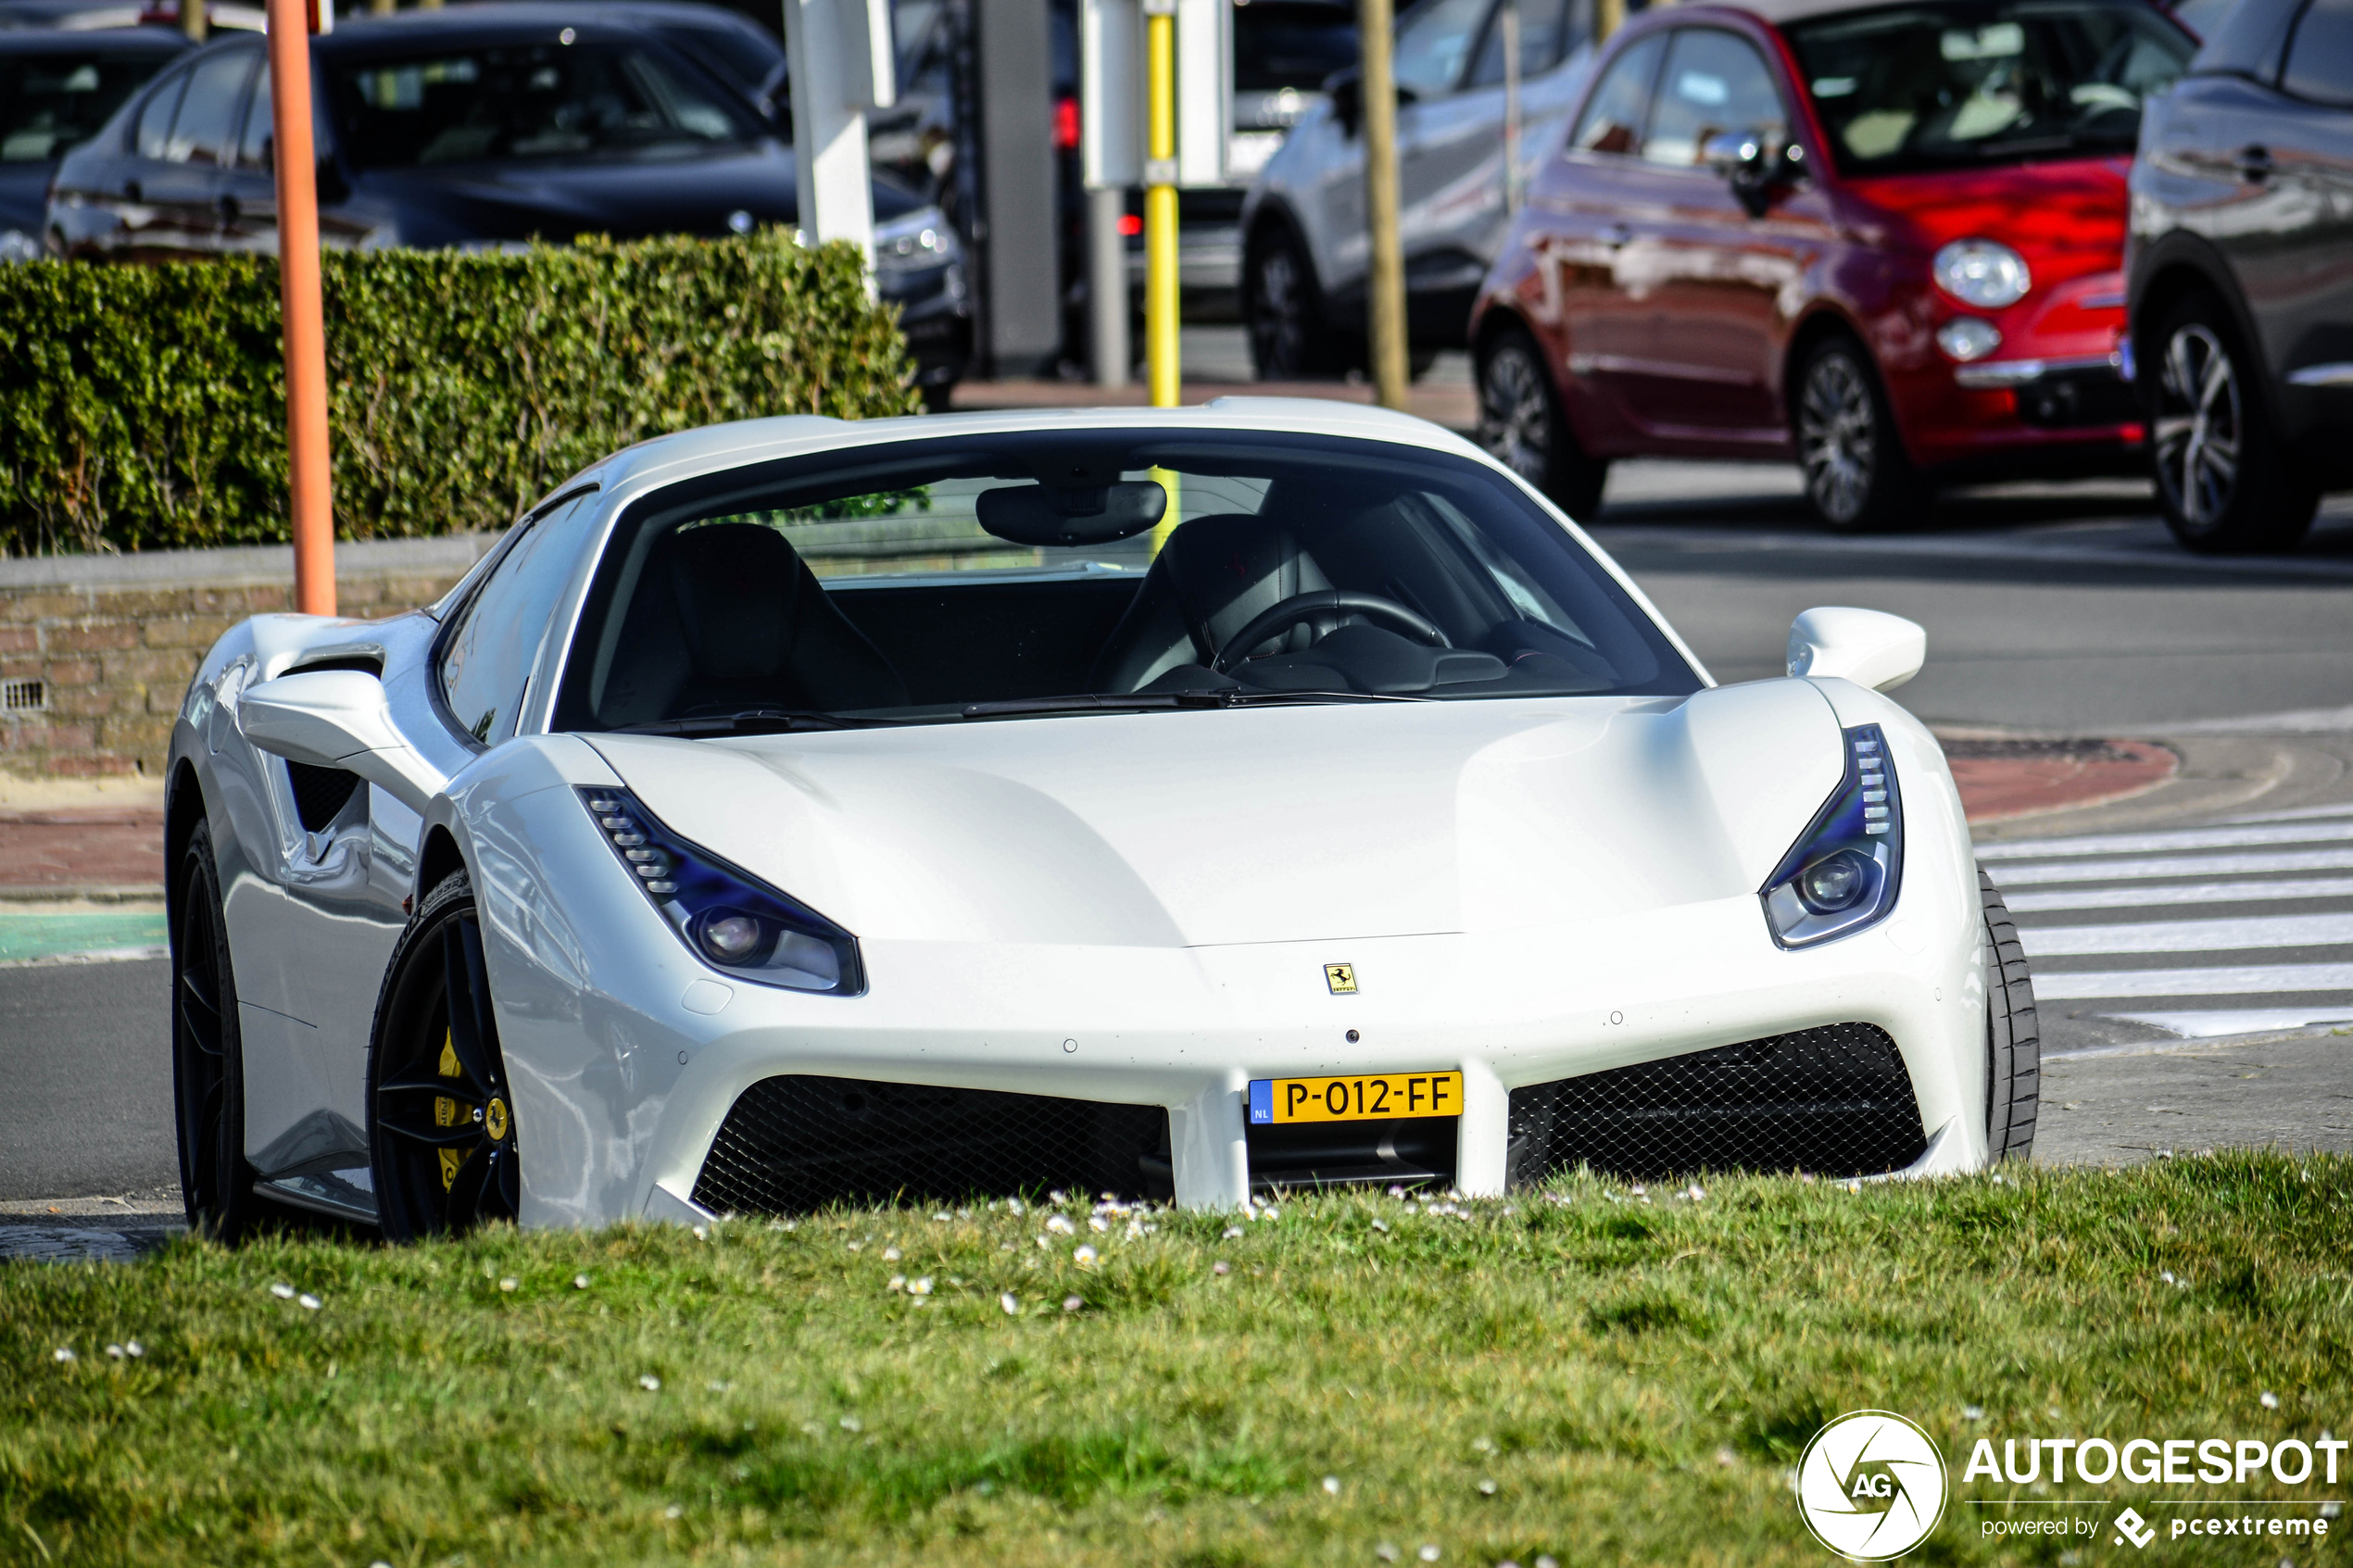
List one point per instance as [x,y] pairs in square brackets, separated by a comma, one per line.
[113,639]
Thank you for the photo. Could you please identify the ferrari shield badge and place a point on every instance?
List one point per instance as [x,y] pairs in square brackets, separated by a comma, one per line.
[1342,978]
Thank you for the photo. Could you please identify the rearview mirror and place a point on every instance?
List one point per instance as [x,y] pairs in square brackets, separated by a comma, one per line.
[1751,162]
[338,719]
[1865,646]
[1039,514]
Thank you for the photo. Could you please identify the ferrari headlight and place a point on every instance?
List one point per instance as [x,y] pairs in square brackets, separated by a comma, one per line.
[1985,273]
[735,923]
[1845,871]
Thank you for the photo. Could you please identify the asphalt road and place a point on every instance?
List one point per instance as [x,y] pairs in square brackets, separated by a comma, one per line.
[2056,610]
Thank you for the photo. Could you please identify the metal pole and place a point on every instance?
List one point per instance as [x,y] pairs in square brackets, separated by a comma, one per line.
[309,491]
[1385,291]
[192,20]
[1160,203]
[1107,286]
[1608,16]
[1510,21]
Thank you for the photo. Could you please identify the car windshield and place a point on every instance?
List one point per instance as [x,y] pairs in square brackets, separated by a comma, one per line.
[1007,575]
[527,102]
[1922,87]
[1280,44]
[49,102]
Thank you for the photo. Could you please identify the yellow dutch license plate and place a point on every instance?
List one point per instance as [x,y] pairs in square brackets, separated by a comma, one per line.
[1374,1097]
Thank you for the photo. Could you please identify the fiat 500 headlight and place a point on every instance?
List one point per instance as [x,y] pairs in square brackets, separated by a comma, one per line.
[733,923]
[1847,867]
[1985,273]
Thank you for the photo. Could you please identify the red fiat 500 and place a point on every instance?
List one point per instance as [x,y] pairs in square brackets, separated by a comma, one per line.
[1883,239]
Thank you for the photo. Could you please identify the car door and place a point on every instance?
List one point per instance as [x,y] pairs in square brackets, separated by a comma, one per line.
[1445,132]
[2298,270]
[1584,209]
[1718,272]
[185,134]
[249,186]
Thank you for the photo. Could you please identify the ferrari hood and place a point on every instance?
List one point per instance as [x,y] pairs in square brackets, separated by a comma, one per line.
[1192,829]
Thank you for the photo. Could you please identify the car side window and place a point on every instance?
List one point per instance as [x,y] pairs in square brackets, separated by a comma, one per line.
[1715,82]
[1541,42]
[2320,57]
[486,663]
[155,117]
[259,135]
[205,130]
[1434,45]
[1612,119]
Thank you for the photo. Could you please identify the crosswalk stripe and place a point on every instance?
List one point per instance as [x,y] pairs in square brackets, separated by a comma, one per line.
[2188,936]
[2171,839]
[2172,866]
[2177,893]
[2092,984]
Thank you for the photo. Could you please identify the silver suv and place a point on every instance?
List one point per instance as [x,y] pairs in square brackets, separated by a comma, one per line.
[1304,247]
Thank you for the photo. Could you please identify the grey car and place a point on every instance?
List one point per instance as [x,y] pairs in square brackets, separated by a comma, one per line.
[1304,247]
[2240,271]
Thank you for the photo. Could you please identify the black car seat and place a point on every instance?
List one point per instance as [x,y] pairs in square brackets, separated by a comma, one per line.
[727,617]
[1212,574]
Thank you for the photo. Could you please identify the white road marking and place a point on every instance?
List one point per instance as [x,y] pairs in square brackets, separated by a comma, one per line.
[2177,893]
[2176,865]
[2189,935]
[2169,839]
[2214,1022]
[2090,985]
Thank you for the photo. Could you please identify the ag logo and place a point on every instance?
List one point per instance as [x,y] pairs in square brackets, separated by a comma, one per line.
[1871,1486]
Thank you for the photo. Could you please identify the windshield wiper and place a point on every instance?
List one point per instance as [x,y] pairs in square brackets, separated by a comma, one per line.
[751,722]
[1150,702]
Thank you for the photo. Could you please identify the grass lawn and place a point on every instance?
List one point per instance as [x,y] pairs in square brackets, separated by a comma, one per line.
[1579,1371]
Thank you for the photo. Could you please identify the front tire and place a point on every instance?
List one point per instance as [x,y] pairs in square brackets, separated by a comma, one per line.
[207,1055]
[441,1129]
[1858,477]
[1285,309]
[1521,424]
[2222,476]
[2013,1040]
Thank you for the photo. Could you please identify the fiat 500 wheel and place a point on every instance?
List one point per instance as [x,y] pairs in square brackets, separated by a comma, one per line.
[441,1118]
[1857,476]
[1520,423]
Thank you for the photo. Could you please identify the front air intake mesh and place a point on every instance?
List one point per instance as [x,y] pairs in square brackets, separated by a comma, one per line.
[320,794]
[794,1144]
[1834,1100]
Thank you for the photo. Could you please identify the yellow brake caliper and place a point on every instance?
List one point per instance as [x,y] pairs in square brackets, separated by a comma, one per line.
[446,1113]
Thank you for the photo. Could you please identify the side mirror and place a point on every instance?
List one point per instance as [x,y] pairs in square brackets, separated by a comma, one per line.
[338,719]
[1345,88]
[1865,646]
[1751,162]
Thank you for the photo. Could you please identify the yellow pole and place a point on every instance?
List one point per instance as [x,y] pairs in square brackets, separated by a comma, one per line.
[1608,16]
[1385,280]
[1160,205]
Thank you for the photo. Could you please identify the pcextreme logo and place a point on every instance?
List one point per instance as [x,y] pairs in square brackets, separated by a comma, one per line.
[1872,1485]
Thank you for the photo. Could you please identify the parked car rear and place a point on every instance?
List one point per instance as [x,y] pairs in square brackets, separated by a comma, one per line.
[2242,277]
[1884,240]
[479,127]
[56,90]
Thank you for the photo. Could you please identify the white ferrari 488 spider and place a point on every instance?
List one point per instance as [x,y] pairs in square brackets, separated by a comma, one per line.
[1171,803]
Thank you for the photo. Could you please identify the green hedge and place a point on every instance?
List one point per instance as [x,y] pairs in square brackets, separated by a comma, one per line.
[142,407]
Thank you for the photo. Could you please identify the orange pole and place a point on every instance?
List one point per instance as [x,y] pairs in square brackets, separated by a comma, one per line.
[310,492]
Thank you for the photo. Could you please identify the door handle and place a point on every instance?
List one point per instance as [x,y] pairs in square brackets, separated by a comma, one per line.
[131,191]
[2255,163]
[228,207]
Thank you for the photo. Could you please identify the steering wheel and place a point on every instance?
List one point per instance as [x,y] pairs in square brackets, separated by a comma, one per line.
[1325,609]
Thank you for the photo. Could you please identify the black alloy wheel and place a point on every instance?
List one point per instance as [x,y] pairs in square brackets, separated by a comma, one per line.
[441,1119]
[1858,475]
[207,1055]
[1288,338]
[2226,484]
[2013,1039]
[1522,426]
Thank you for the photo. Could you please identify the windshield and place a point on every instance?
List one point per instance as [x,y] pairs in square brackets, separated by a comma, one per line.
[528,101]
[51,102]
[1961,86]
[1279,44]
[1205,569]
